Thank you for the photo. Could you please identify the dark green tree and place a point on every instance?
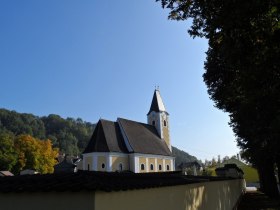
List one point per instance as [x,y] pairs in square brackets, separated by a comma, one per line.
[21,123]
[242,71]
[70,135]
[8,156]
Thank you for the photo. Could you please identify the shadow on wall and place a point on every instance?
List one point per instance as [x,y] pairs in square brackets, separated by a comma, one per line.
[213,195]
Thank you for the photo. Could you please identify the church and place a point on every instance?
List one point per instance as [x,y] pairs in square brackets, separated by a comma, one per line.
[127,145]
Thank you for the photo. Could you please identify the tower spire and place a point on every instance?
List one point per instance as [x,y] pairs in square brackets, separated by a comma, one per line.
[158,117]
[157,103]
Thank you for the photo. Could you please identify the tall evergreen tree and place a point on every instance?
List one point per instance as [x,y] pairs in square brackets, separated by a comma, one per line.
[242,71]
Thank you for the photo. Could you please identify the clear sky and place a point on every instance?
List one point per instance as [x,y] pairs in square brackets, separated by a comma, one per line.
[102,59]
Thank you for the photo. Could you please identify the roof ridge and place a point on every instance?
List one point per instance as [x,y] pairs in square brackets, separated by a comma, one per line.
[134,121]
[128,119]
[105,120]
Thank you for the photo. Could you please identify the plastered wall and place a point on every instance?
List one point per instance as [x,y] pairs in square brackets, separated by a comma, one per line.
[155,162]
[219,195]
[47,201]
[116,161]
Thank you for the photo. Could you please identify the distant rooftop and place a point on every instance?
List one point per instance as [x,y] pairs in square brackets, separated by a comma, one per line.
[6,173]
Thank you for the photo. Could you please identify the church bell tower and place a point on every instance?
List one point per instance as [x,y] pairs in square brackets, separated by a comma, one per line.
[159,117]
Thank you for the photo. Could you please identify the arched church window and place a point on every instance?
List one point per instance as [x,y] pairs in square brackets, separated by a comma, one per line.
[167,167]
[142,167]
[151,167]
[159,167]
[164,123]
[153,123]
[103,165]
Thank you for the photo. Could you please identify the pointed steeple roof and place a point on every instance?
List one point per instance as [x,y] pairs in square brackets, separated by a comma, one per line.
[157,103]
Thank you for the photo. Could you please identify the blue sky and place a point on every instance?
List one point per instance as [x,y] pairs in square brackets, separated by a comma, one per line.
[103,59]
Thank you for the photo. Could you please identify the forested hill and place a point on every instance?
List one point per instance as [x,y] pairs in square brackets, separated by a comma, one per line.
[182,156]
[69,135]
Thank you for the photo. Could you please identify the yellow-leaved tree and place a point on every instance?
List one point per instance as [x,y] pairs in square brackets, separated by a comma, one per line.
[35,154]
[47,157]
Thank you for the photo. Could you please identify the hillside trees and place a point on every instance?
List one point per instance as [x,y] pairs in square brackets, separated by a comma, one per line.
[70,135]
[23,141]
[242,71]
[8,156]
[182,156]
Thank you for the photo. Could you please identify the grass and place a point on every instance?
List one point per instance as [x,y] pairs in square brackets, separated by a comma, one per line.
[250,174]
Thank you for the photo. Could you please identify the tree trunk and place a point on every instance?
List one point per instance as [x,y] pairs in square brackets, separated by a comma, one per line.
[278,169]
[268,179]
[260,178]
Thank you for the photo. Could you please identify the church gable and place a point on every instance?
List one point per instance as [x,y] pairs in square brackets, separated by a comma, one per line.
[106,138]
[114,137]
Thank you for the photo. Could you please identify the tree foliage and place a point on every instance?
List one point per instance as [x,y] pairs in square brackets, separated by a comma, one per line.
[26,152]
[70,135]
[35,154]
[8,156]
[23,143]
[242,71]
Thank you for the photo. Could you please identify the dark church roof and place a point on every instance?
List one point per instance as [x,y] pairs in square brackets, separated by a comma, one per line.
[106,138]
[138,138]
[157,103]
[143,138]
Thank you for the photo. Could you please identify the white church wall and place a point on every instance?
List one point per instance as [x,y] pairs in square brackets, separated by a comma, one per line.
[167,163]
[104,161]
